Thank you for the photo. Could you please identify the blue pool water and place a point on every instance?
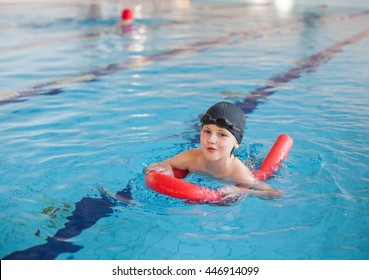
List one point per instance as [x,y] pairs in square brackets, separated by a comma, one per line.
[84,107]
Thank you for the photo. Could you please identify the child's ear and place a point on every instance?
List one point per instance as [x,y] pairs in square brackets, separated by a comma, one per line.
[237,146]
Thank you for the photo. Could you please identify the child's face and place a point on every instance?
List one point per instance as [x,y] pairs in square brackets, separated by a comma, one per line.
[216,142]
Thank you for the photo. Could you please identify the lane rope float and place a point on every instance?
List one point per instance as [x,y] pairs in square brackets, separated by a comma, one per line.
[177,188]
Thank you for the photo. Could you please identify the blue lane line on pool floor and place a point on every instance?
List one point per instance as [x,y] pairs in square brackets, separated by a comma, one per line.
[305,66]
[55,87]
[90,210]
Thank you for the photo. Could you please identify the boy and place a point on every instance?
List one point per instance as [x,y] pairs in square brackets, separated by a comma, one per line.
[221,133]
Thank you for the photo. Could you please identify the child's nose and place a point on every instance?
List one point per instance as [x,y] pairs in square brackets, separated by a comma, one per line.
[212,138]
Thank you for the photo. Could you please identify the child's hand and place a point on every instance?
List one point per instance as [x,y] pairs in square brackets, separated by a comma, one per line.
[267,194]
[273,194]
[161,167]
[234,192]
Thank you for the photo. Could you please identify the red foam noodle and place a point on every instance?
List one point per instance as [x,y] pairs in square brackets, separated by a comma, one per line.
[274,159]
[177,188]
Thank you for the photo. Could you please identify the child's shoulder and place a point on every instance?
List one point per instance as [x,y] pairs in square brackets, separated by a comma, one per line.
[188,156]
[186,160]
[193,152]
[241,171]
[239,165]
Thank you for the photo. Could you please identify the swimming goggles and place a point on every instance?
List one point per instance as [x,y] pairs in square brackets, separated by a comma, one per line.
[222,122]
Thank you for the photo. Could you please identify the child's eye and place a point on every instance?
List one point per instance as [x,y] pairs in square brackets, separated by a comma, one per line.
[223,135]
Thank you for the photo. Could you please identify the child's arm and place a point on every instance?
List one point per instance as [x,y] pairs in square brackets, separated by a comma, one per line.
[270,194]
[181,161]
[237,192]
[245,182]
[260,189]
[162,167]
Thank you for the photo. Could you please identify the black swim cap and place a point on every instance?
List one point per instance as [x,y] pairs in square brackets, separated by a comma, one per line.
[233,114]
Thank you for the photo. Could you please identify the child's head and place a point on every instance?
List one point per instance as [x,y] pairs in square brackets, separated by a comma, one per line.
[228,116]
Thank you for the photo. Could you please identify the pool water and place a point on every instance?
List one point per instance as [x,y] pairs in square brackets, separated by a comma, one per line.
[85,107]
